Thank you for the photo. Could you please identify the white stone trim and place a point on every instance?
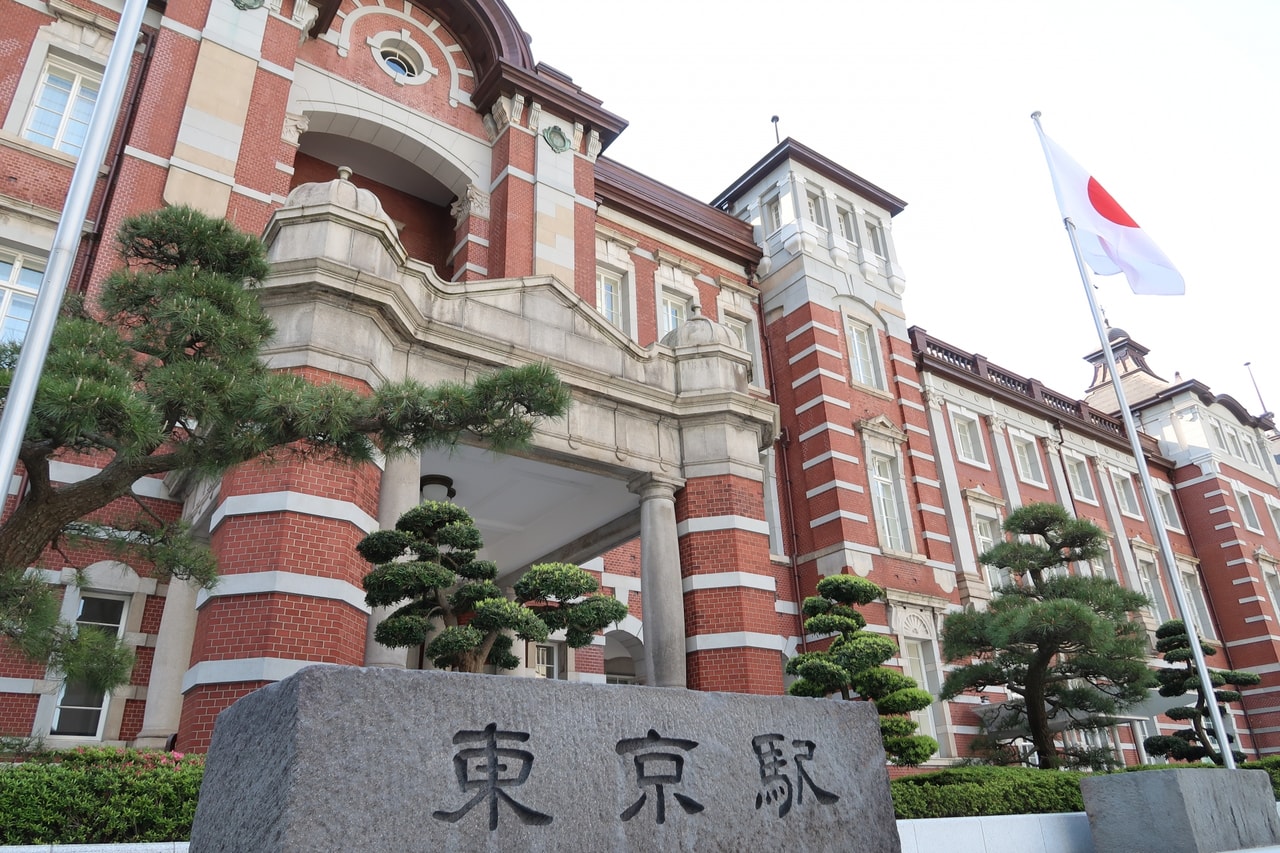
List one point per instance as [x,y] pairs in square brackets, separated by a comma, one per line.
[833,484]
[147,157]
[67,472]
[192,33]
[735,640]
[814,374]
[722,580]
[828,426]
[722,522]
[830,454]
[804,353]
[298,502]
[243,669]
[513,172]
[812,324]
[788,608]
[818,401]
[289,583]
[840,513]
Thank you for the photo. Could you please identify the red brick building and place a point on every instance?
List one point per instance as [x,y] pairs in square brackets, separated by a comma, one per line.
[751,409]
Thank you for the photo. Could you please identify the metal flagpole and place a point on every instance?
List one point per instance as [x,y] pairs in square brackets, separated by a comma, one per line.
[26,375]
[1148,491]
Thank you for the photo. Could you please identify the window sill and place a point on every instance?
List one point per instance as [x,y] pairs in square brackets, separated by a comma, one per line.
[51,155]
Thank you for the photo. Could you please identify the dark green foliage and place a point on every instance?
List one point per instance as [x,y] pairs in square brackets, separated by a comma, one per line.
[164,374]
[1066,648]
[99,796]
[852,666]
[969,791]
[1198,740]
[453,604]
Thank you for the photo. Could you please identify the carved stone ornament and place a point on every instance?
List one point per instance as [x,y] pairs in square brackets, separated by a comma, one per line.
[294,126]
[474,203]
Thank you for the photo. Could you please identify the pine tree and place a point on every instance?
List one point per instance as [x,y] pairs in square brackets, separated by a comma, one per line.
[852,666]
[1067,647]
[163,373]
[453,604]
[1199,739]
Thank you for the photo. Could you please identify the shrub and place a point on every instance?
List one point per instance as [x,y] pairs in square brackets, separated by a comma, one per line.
[99,796]
[970,791]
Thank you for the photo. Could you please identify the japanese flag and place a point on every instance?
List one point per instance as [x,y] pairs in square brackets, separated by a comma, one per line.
[1110,241]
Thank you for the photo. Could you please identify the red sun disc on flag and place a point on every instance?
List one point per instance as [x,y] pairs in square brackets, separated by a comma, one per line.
[1107,206]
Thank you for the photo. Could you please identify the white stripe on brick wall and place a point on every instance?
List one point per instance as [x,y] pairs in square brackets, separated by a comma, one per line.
[832,516]
[804,353]
[66,472]
[910,404]
[833,484]
[790,608]
[1245,579]
[818,401]
[244,669]
[293,502]
[21,685]
[1257,619]
[291,583]
[1240,562]
[827,427]
[1250,598]
[830,454]
[812,374]
[1261,638]
[920,454]
[1233,543]
[722,522]
[812,324]
[721,580]
[734,640]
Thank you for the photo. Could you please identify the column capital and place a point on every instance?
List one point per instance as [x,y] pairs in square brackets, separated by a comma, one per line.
[650,486]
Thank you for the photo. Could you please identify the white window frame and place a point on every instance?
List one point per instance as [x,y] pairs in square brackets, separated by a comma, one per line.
[1270,579]
[865,367]
[877,237]
[889,501]
[675,295]
[1080,479]
[847,224]
[1126,494]
[79,80]
[1273,510]
[103,704]
[996,576]
[976,454]
[771,213]
[613,258]
[1199,603]
[816,207]
[19,285]
[548,660]
[1217,435]
[1248,512]
[1026,454]
[1149,576]
[1168,507]
[611,283]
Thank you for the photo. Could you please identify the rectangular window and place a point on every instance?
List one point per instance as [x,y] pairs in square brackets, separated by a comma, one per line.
[1153,589]
[744,334]
[1274,512]
[986,534]
[671,313]
[1215,432]
[1272,580]
[1125,494]
[1200,610]
[1081,481]
[886,495]
[59,118]
[817,209]
[610,298]
[863,345]
[918,663]
[1233,442]
[1027,456]
[772,215]
[968,433]
[1250,450]
[1248,514]
[547,662]
[847,224]
[19,283]
[1168,509]
[80,711]
[875,237]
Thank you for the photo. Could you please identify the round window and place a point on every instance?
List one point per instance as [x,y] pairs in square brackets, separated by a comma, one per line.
[399,62]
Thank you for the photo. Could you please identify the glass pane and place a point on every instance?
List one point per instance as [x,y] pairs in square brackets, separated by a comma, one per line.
[77,721]
[101,611]
[18,318]
[27,277]
[6,270]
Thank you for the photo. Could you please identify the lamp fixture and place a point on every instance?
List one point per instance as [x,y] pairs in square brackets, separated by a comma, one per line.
[436,487]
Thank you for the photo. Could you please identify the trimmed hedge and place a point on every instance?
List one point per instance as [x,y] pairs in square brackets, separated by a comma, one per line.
[99,796]
[971,791]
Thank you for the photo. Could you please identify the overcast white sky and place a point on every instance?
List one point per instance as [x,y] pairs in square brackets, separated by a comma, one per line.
[1171,105]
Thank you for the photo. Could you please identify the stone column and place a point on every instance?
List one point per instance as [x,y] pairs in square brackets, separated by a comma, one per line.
[662,597]
[398,494]
[163,712]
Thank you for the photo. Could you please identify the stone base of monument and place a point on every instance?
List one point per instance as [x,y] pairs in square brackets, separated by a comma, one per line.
[345,759]
[1181,811]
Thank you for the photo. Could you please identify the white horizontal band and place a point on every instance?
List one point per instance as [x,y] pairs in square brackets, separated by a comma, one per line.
[735,640]
[243,669]
[289,583]
[298,502]
[722,580]
[722,522]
